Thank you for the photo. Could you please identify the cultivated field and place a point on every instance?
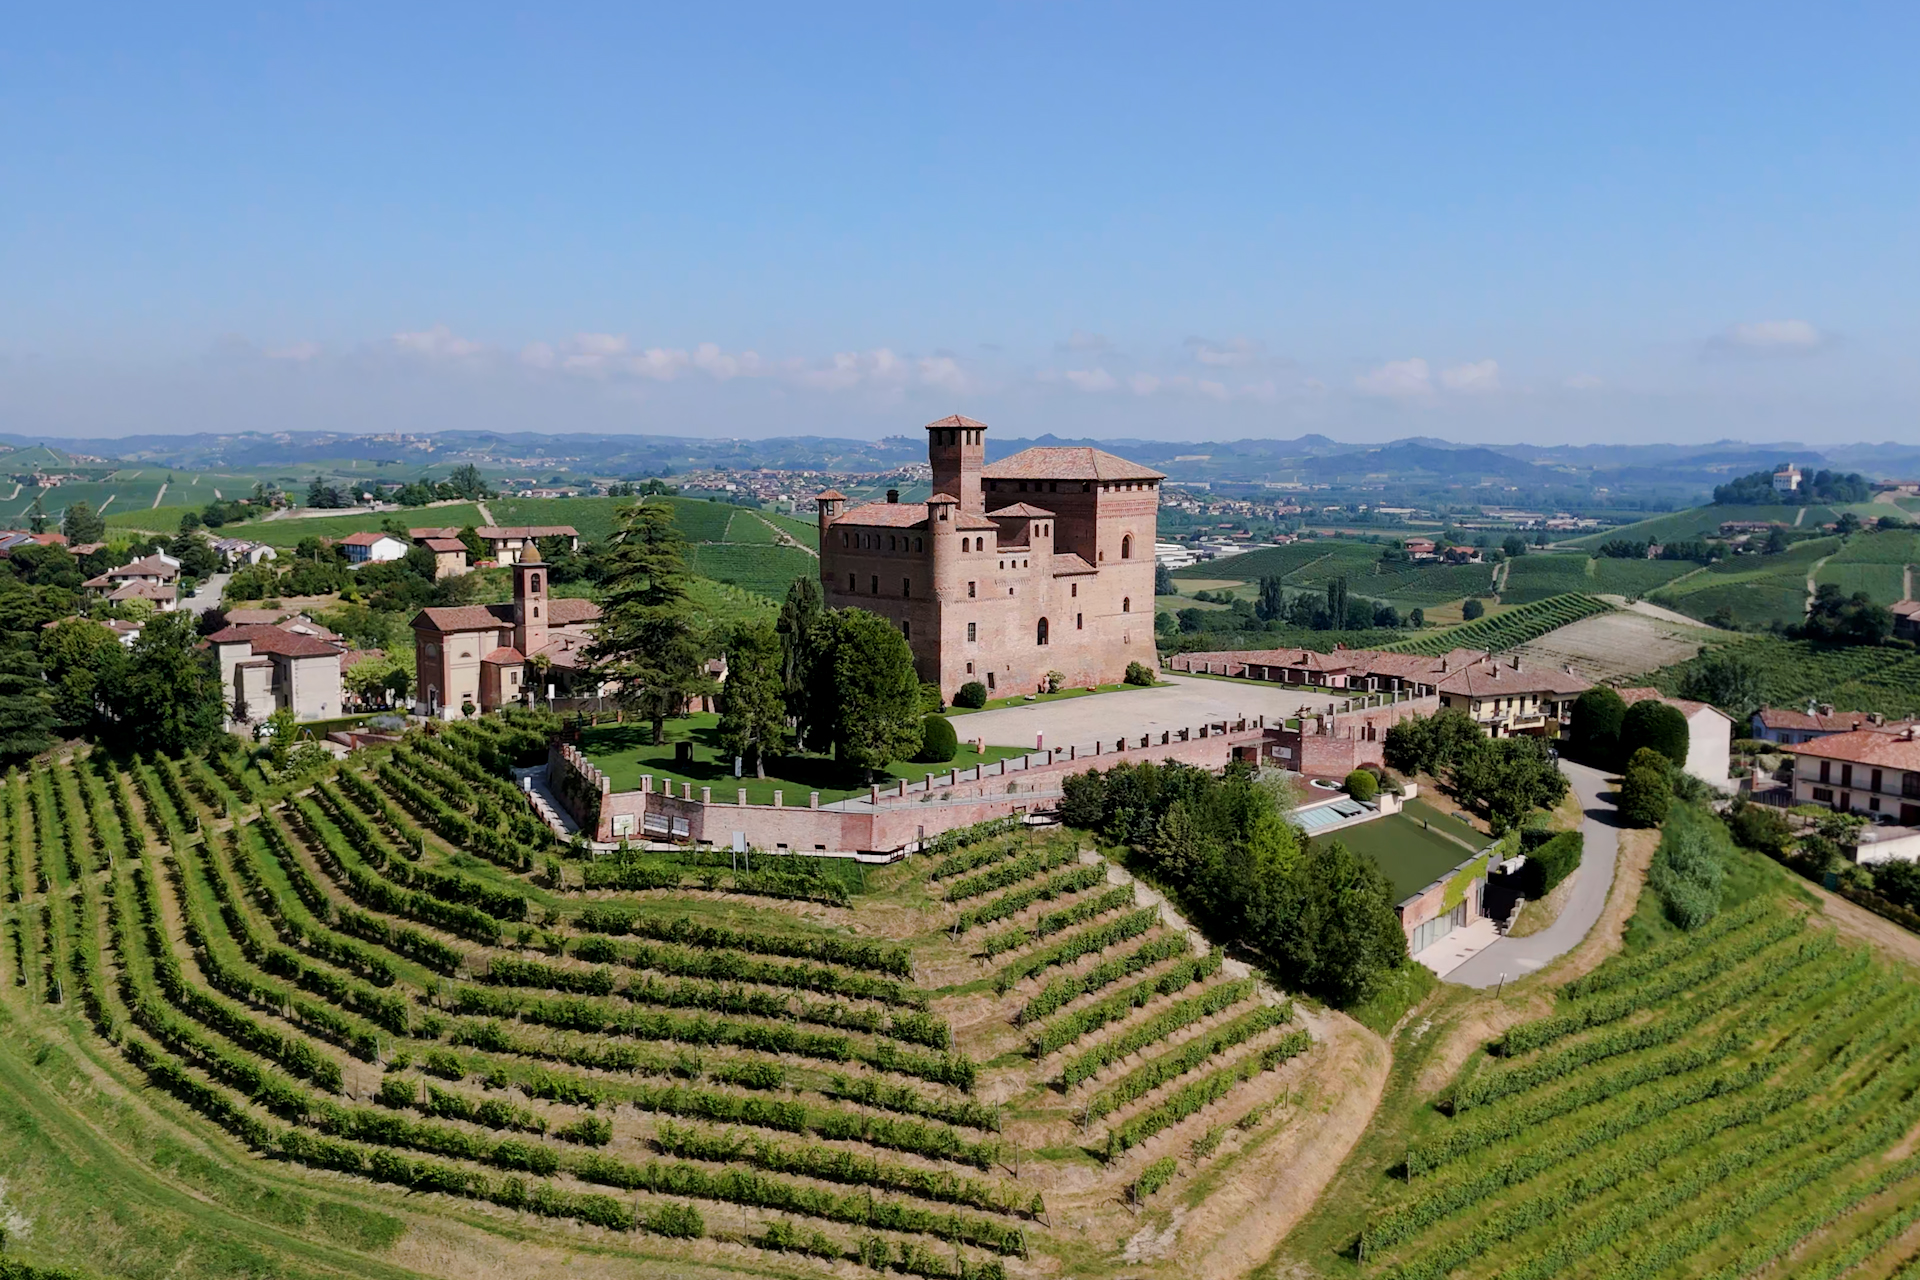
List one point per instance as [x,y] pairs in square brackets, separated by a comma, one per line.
[1615,645]
[1512,627]
[1852,678]
[463,1051]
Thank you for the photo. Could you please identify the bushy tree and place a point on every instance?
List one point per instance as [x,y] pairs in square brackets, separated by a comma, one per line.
[82,524]
[1362,785]
[1431,744]
[1652,723]
[1472,609]
[1272,602]
[1594,726]
[1507,779]
[1329,924]
[876,694]
[1728,679]
[170,700]
[1163,584]
[84,664]
[646,645]
[971,696]
[753,710]
[26,709]
[1836,618]
[1138,673]
[1646,790]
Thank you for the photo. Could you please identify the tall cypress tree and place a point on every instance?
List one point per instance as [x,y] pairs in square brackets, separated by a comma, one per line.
[753,713]
[646,643]
[802,632]
[26,707]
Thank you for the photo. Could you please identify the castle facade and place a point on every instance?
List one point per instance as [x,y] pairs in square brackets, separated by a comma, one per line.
[1039,563]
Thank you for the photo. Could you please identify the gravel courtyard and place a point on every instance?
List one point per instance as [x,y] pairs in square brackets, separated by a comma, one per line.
[1186,702]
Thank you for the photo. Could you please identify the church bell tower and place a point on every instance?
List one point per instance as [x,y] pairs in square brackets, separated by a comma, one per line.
[530,614]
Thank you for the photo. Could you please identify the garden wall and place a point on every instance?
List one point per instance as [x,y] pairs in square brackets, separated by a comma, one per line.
[887,819]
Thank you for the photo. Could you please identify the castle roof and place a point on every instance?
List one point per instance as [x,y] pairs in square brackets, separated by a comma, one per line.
[831,495]
[887,515]
[1073,462]
[1020,509]
[955,420]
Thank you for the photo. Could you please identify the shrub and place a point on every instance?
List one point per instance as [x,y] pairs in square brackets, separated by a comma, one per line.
[1362,785]
[1656,725]
[938,741]
[1472,609]
[1760,828]
[1687,868]
[972,695]
[1645,793]
[1595,726]
[1552,861]
[1152,1178]
[1139,673]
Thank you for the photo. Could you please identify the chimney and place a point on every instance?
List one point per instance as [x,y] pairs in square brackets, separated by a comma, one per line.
[893,495]
[1567,667]
[1874,717]
[1516,662]
[1826,708]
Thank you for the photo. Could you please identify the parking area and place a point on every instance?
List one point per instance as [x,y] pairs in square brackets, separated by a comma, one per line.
[1185,701]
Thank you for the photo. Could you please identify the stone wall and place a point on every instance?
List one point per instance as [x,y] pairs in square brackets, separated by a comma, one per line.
[887,818]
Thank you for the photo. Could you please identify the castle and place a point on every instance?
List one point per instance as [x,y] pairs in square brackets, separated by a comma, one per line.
[1056,577]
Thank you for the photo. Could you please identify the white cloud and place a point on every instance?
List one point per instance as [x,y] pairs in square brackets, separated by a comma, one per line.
[1771,338]
[1211,390]
[1480,377]
[1143,384]
[438,342]
[1095,379]
[299,352]
[1396,379]
[659,363]
[1583,382]
[538,355]
[943,372]
[1235,354]
[853,368]
[722,367]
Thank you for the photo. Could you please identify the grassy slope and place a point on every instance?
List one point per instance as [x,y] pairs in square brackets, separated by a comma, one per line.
[1701,522]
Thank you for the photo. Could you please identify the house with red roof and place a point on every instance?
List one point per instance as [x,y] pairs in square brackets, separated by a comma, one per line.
[1866,771]
[266,667]
[475,658]
[372,547]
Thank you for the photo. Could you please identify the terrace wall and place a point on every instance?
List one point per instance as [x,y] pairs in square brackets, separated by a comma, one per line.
[887,819]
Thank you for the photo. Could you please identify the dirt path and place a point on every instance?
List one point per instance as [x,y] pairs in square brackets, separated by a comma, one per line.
[486,513]
[158,496]
[1861,925]
[1812,590]
[1272,1188]
[784,538]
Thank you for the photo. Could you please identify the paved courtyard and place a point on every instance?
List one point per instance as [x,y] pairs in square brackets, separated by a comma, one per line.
[1186,702]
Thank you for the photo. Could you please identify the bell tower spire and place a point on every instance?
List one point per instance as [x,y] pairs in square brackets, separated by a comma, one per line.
[530,614]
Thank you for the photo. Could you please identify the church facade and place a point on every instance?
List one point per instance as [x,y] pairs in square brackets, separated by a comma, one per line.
[1038,563]
[476,658]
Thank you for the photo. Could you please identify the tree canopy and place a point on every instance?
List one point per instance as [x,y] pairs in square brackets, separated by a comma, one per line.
[646,646]
[875,691]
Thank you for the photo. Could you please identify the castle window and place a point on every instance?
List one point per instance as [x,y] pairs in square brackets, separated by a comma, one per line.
[873,585]
[972,635]
[943,513]
[1086,486]
[844,539]
[916,544]
[989,679]
[906,629]
[906,588]
[969,668]
[966,544]
[890,545]
[1126,605]
[969,591]
[1078,623]
[1073,589]
[1126,547]
[850,583]
[536,582]
[1040,632]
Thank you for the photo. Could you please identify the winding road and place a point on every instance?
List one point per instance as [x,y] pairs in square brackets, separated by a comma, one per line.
[1517,957]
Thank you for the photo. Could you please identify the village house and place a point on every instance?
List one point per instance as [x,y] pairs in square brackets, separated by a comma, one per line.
[1862,771]
[372,547]
[264,668]
[1787,726]
[475,658]
[155,578]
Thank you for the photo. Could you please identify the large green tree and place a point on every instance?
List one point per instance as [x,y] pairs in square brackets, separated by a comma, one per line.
[1507,779]
[1431,744]
[26,709]
[875,692]
[1272,602]
[753,710]
[646,645]
[1329,924]
[1594,726]
[170,699]
[802,629]
[85,662]
[1650,723]
[82,524]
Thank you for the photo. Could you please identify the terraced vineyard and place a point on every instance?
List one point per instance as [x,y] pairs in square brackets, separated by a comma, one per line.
[1734,1102]
[1793,672]
[1514,627]
[433,1019]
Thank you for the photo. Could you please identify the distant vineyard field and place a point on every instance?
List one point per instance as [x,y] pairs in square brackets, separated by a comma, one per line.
[1794,672]
[765,569]
[1703,522]
[1514,627]
[1635,577]
[1538,577]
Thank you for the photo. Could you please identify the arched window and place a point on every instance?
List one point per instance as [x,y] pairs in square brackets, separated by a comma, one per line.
[1126,547]
[1040,632]
[535,583]
[966,544]
[1126,605]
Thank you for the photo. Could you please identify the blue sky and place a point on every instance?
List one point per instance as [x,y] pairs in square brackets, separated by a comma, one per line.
[1636,223]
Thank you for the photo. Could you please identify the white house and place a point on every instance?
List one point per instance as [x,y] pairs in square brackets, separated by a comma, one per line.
[264,668]
[1709,736]
[1787,479]
[373,548]
[239,551]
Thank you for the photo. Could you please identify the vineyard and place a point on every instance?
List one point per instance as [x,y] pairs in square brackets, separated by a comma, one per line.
[1735,1101]
[429,1015]
[1755,591]
[1514,627]
[1794,672]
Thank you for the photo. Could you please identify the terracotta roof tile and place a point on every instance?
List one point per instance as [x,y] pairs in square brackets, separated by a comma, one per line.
[955,420]
[273,640]
[1687,706]
[1495,679]
[443,544]
[1020,510]
[1069,562]
[465,617]
[1865,746]
[367,538]
[830,495]
[1074,462]
[505,656]
[568,612]
[495,532]
[887,515]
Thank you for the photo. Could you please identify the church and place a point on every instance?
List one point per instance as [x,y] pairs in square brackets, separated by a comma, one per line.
[1039,563]
[475,658]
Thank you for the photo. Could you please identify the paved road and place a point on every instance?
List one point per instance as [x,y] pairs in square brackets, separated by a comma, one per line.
[1517,957]
[1184,703]
[209,598]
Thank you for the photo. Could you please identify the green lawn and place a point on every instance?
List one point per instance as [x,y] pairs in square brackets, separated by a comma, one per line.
[626,752]
[1412,856]
[1020,700]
